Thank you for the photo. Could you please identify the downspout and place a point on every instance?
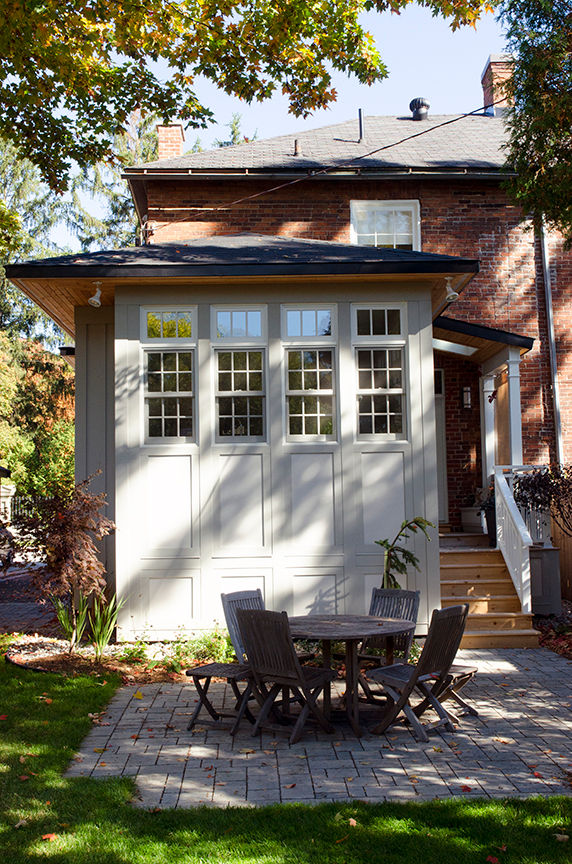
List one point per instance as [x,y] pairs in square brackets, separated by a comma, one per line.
[551,343]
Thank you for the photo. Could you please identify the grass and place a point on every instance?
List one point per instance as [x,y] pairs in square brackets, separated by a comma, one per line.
[92,822]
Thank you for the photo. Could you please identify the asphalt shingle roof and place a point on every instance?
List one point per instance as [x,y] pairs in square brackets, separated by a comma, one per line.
[246,253]
[471,143]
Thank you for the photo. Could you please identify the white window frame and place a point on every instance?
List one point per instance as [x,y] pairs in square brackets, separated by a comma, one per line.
[172,344]
[217,340]
[411,204]
[224,347]
[171,394]
[382,342]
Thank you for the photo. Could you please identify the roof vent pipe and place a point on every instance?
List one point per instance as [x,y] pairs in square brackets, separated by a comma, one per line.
[297,148]
[420,107]
[360,121]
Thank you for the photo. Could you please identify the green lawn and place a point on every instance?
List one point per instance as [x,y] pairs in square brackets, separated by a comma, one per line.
[91,821]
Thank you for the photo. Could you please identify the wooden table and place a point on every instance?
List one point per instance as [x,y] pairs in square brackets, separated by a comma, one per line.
[351,629]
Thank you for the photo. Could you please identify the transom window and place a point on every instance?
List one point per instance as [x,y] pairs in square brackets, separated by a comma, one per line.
[240,394]
[310,392]
[378,322]
[168,324]
[238,324]
[308,322]
[169,394]
[387,224]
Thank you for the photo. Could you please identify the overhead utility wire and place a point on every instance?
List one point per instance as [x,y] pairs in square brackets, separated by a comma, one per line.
[320,171]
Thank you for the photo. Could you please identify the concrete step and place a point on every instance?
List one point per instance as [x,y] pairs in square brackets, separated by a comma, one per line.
[460,540]
[486,587]
[483,604]
[470,556]
[498,621]
[526,638]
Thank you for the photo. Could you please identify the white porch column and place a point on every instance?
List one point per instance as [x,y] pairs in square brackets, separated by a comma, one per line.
[514,409]
[487,426]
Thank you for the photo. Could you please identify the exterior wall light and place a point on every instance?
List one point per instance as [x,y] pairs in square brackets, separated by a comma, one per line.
[95,300]
[466,400]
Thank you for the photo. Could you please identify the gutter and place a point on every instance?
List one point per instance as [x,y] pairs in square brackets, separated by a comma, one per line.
[551,342]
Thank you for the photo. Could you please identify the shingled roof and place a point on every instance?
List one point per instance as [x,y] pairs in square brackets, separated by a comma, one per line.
[472,143]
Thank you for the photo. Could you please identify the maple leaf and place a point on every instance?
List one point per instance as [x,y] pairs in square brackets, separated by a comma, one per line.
[50,837]
[138,694]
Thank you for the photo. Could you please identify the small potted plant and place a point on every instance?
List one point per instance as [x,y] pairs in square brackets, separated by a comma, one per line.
[488,508]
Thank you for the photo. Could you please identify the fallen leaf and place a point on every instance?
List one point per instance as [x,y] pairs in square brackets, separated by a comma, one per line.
[349,779]
[341,840]
[247,750]
[300,756]
[22,759]
[502,848]
[48,701]
[135,737]
[492,860]
[50,837]
[289,786]
[467,789]
[20,823]
[23,777]
[352,823]
[562,838]
[3,716]
[99,749]
[536,774]
[438,749]
[220,783]
[102,764]
[207,767]
[138,694]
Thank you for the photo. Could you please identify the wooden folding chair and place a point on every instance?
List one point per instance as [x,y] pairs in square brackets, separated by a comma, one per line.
[247,600]
[388,603]
[233,673]
[274,665]
[428,678]
[449,689]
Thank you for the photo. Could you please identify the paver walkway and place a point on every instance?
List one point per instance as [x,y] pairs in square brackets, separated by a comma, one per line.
[520,745]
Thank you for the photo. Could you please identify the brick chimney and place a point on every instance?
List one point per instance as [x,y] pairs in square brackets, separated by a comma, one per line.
[171,140]
[497,71]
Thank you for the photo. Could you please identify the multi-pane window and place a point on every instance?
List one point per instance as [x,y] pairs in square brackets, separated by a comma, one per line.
[168,324]
[387,224]
[310,391]
[240,394]
[169,394]
[379,346]
[380,390]
[308,322]
[238,323]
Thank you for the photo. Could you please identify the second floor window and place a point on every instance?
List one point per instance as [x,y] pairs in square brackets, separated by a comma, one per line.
[386,224]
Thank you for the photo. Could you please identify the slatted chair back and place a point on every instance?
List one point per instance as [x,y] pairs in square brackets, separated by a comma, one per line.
[393,603]
[269,647]
[232,602]
[443,639]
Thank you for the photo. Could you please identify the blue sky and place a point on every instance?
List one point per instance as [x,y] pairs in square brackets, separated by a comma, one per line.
[424,57]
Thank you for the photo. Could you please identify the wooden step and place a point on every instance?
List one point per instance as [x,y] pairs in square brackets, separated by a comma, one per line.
[460,540]
[464,572]
[527,638]
[480,588]
[470,556]
[498,621]
[480,604]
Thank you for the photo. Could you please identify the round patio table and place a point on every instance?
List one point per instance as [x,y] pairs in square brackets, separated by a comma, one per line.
[351,629]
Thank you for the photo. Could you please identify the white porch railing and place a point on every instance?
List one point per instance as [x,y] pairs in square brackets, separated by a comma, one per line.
[513,537]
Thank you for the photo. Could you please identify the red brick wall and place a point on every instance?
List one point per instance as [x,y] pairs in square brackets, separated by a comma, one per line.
[458,217]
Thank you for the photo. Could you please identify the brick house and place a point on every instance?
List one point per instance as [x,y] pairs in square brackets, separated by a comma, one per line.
[352,328]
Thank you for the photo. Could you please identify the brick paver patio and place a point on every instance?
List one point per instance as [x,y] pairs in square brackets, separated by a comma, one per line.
[520,745]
